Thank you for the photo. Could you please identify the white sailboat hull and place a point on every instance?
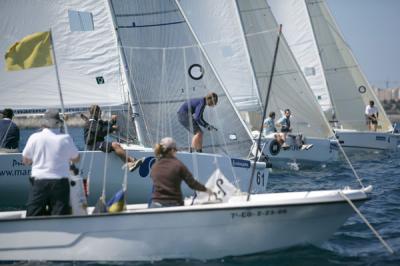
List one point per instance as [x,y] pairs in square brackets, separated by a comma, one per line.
[354,140]
[238,227]
[14,176]
[323,151]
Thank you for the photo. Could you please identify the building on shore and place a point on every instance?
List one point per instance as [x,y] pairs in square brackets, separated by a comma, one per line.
[388,94]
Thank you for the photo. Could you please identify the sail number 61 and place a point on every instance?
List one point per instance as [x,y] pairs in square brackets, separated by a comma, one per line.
[260,179]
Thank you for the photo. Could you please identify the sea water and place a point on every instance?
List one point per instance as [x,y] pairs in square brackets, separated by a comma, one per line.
[352,244]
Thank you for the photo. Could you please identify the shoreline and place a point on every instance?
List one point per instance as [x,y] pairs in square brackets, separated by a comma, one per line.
[35,121]
[76,121]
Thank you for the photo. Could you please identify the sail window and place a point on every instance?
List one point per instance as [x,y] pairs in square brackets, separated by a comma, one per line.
[80,21]
[362,89]
[309,71]
[100,80]
[196,71]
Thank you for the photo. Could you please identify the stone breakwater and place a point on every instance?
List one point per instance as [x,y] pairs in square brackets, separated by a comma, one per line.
[35,121]
[394,118]
[76,121]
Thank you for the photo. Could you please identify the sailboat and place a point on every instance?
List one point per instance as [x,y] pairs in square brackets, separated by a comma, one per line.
[237,227]
[239,38]
[243,223]
[91,71]
[334,74]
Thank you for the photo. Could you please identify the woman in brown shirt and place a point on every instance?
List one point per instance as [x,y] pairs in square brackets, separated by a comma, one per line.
[167,174]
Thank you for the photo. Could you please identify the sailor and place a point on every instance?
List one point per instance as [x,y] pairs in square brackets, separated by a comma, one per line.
[50,153]
[269,128]
[95,131]
[167,175]
[9,132]
[371,115]
[190,115]
[284,124]
[269,124]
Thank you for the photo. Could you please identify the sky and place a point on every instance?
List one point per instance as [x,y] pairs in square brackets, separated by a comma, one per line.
[372,30]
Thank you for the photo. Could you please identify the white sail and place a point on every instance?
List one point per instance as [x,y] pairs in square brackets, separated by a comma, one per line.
[167,67]
[289,87]
[223,39]
[223,32]
[293,15]
[86,53]
[349,90]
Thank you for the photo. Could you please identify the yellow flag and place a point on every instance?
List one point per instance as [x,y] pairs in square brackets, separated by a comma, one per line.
[32,51]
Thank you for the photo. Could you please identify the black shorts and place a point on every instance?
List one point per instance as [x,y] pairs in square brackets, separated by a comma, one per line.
[371,121]
[48,196]
[104,146]
[189,123]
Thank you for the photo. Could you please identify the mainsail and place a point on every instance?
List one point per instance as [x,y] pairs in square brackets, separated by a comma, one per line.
[289,88]
[167,67]
[86,51]
[348,89]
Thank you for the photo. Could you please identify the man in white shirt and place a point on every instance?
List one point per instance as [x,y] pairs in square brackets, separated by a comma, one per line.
[50,153]
[371,115]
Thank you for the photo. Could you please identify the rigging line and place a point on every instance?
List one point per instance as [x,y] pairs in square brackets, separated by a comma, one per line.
[194,154]
[125,182]
[5,135]
[103,194]
[384,243]
[348,161]
[135,95]
[213,111]
[265,111]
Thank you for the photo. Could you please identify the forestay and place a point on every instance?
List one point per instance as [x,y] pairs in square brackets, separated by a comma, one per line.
[289,87]
[167,67]
[86,52]
[348,87]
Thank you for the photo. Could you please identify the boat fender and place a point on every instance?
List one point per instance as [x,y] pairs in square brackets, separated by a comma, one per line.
[274,147]
[77,197]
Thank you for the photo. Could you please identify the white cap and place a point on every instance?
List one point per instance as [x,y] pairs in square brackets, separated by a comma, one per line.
[168,143]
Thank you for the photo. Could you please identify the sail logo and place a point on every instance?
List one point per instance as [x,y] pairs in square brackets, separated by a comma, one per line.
[240,163]
[145,167]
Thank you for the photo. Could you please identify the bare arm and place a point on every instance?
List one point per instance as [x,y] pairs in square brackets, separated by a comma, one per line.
[76,159]
[26,160]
